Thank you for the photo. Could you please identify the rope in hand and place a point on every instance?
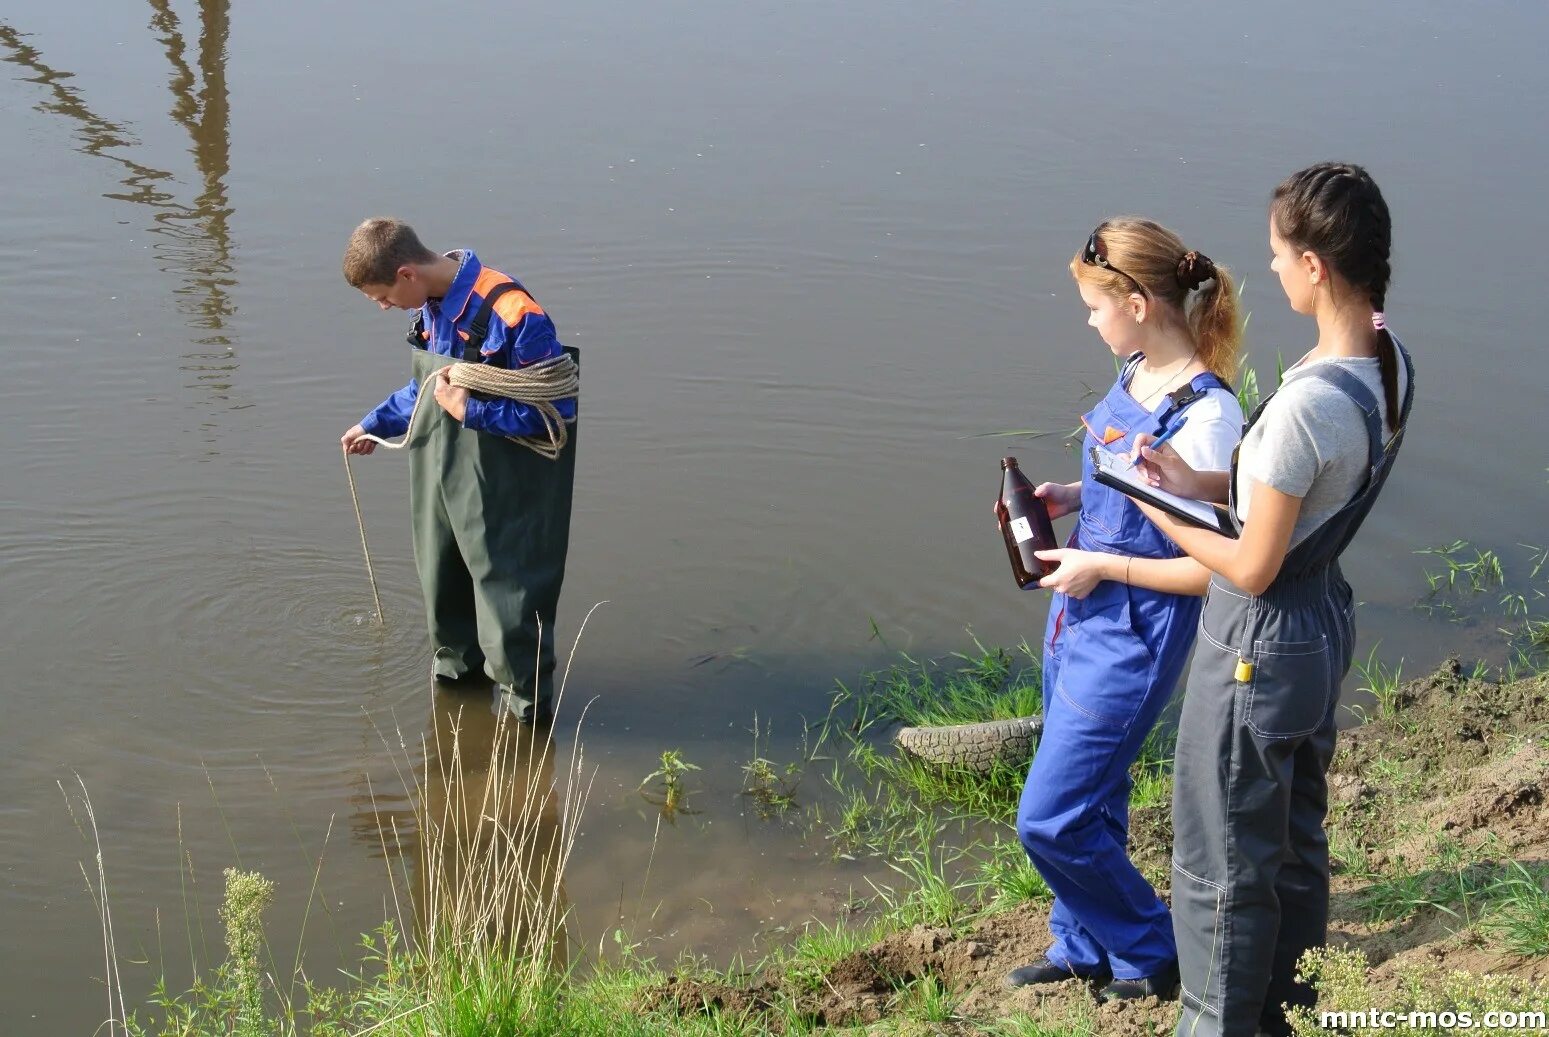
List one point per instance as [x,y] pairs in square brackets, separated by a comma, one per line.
[370,572]
[537,385]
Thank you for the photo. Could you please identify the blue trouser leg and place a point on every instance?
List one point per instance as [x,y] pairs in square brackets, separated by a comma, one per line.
[1073,823]
[1074,948]
[1075,945]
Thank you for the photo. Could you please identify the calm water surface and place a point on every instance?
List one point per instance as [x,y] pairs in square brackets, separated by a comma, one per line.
[808,254]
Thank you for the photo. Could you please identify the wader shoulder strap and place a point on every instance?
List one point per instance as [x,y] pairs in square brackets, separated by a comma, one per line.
[416,335]
[478,328]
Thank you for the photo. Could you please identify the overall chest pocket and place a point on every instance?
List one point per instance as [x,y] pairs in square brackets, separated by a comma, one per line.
[1110,516]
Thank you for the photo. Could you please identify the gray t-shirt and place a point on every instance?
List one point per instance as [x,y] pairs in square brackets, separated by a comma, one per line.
[1311,442]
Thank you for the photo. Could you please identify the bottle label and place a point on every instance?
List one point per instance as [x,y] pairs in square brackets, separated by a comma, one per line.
[1022,530]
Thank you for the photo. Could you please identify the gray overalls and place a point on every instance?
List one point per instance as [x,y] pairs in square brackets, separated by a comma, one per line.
[1250,858]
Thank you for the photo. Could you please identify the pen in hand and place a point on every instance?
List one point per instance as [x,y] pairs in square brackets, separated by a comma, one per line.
[1167,434]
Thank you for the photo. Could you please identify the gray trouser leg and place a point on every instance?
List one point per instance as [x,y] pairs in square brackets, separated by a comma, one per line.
[1250,860]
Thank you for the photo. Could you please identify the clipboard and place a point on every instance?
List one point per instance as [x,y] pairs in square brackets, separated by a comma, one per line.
[1114,470]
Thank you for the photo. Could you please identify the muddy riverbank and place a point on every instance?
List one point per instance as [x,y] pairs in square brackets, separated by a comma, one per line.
[1439,826]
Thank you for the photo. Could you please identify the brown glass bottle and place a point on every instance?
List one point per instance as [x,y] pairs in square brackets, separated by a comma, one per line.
[1025,525]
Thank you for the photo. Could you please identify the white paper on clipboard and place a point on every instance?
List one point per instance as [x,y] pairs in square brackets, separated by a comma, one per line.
[1115,470]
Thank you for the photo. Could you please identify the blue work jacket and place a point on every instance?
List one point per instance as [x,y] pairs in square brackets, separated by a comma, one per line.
[520,333]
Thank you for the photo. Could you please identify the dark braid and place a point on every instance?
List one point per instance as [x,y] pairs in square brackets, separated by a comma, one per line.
[1336,210]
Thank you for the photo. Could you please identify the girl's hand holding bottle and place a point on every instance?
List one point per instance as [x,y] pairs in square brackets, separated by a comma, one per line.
[1060,498]
[1079,571]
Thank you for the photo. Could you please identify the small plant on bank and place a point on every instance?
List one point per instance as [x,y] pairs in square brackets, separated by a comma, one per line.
[1078,1019]
[247,895]
[878,807]
[1475,886]
[1397,894]
[772,790]
[1152,772]
[931,896]
[1521,916]
[927,1000]
[671,773]
[1458,572]
[824,946]
[995,685]
[1381,682]
[1007,878]
[1249,393]
[771,787]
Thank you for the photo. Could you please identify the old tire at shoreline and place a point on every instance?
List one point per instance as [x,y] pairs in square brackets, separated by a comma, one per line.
[975,747]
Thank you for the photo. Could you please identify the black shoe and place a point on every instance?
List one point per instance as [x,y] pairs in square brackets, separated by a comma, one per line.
[528,714]
[1044,971]
[1163,986]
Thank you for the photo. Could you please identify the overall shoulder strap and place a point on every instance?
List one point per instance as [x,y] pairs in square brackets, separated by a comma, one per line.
[1409,386]
[1186,394]
[1362,397]
[478,327]
[1130,363]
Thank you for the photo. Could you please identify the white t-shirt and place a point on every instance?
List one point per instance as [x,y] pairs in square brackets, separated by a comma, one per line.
[1311,442]
[1207,439]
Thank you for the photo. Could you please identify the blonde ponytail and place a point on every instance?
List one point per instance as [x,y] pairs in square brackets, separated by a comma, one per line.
[1215,325]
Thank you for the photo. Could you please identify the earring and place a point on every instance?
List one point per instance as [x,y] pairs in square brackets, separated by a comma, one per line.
[1137,318]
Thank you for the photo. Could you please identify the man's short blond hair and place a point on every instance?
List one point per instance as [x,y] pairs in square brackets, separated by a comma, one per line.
[378,247]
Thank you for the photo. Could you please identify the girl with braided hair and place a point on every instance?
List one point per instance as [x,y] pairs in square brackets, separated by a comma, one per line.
[1250,860]
[1126,605]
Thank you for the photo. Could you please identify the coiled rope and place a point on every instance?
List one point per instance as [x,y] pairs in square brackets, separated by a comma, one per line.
[538,385]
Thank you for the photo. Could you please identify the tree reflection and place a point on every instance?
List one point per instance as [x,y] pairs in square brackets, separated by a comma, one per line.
[192,239]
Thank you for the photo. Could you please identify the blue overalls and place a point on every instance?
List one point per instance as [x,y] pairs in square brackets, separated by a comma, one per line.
[1110,663]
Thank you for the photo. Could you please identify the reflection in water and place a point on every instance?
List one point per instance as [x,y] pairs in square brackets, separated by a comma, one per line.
[487,838]
[491,844]
[192,241]
[197,241]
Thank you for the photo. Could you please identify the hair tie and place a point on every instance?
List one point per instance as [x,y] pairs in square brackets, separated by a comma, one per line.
[1379,320]
[1194,269]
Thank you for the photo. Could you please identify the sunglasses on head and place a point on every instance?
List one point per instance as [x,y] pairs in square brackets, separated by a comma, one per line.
[1096,254]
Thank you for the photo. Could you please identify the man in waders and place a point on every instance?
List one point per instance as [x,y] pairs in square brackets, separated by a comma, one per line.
[491,515]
